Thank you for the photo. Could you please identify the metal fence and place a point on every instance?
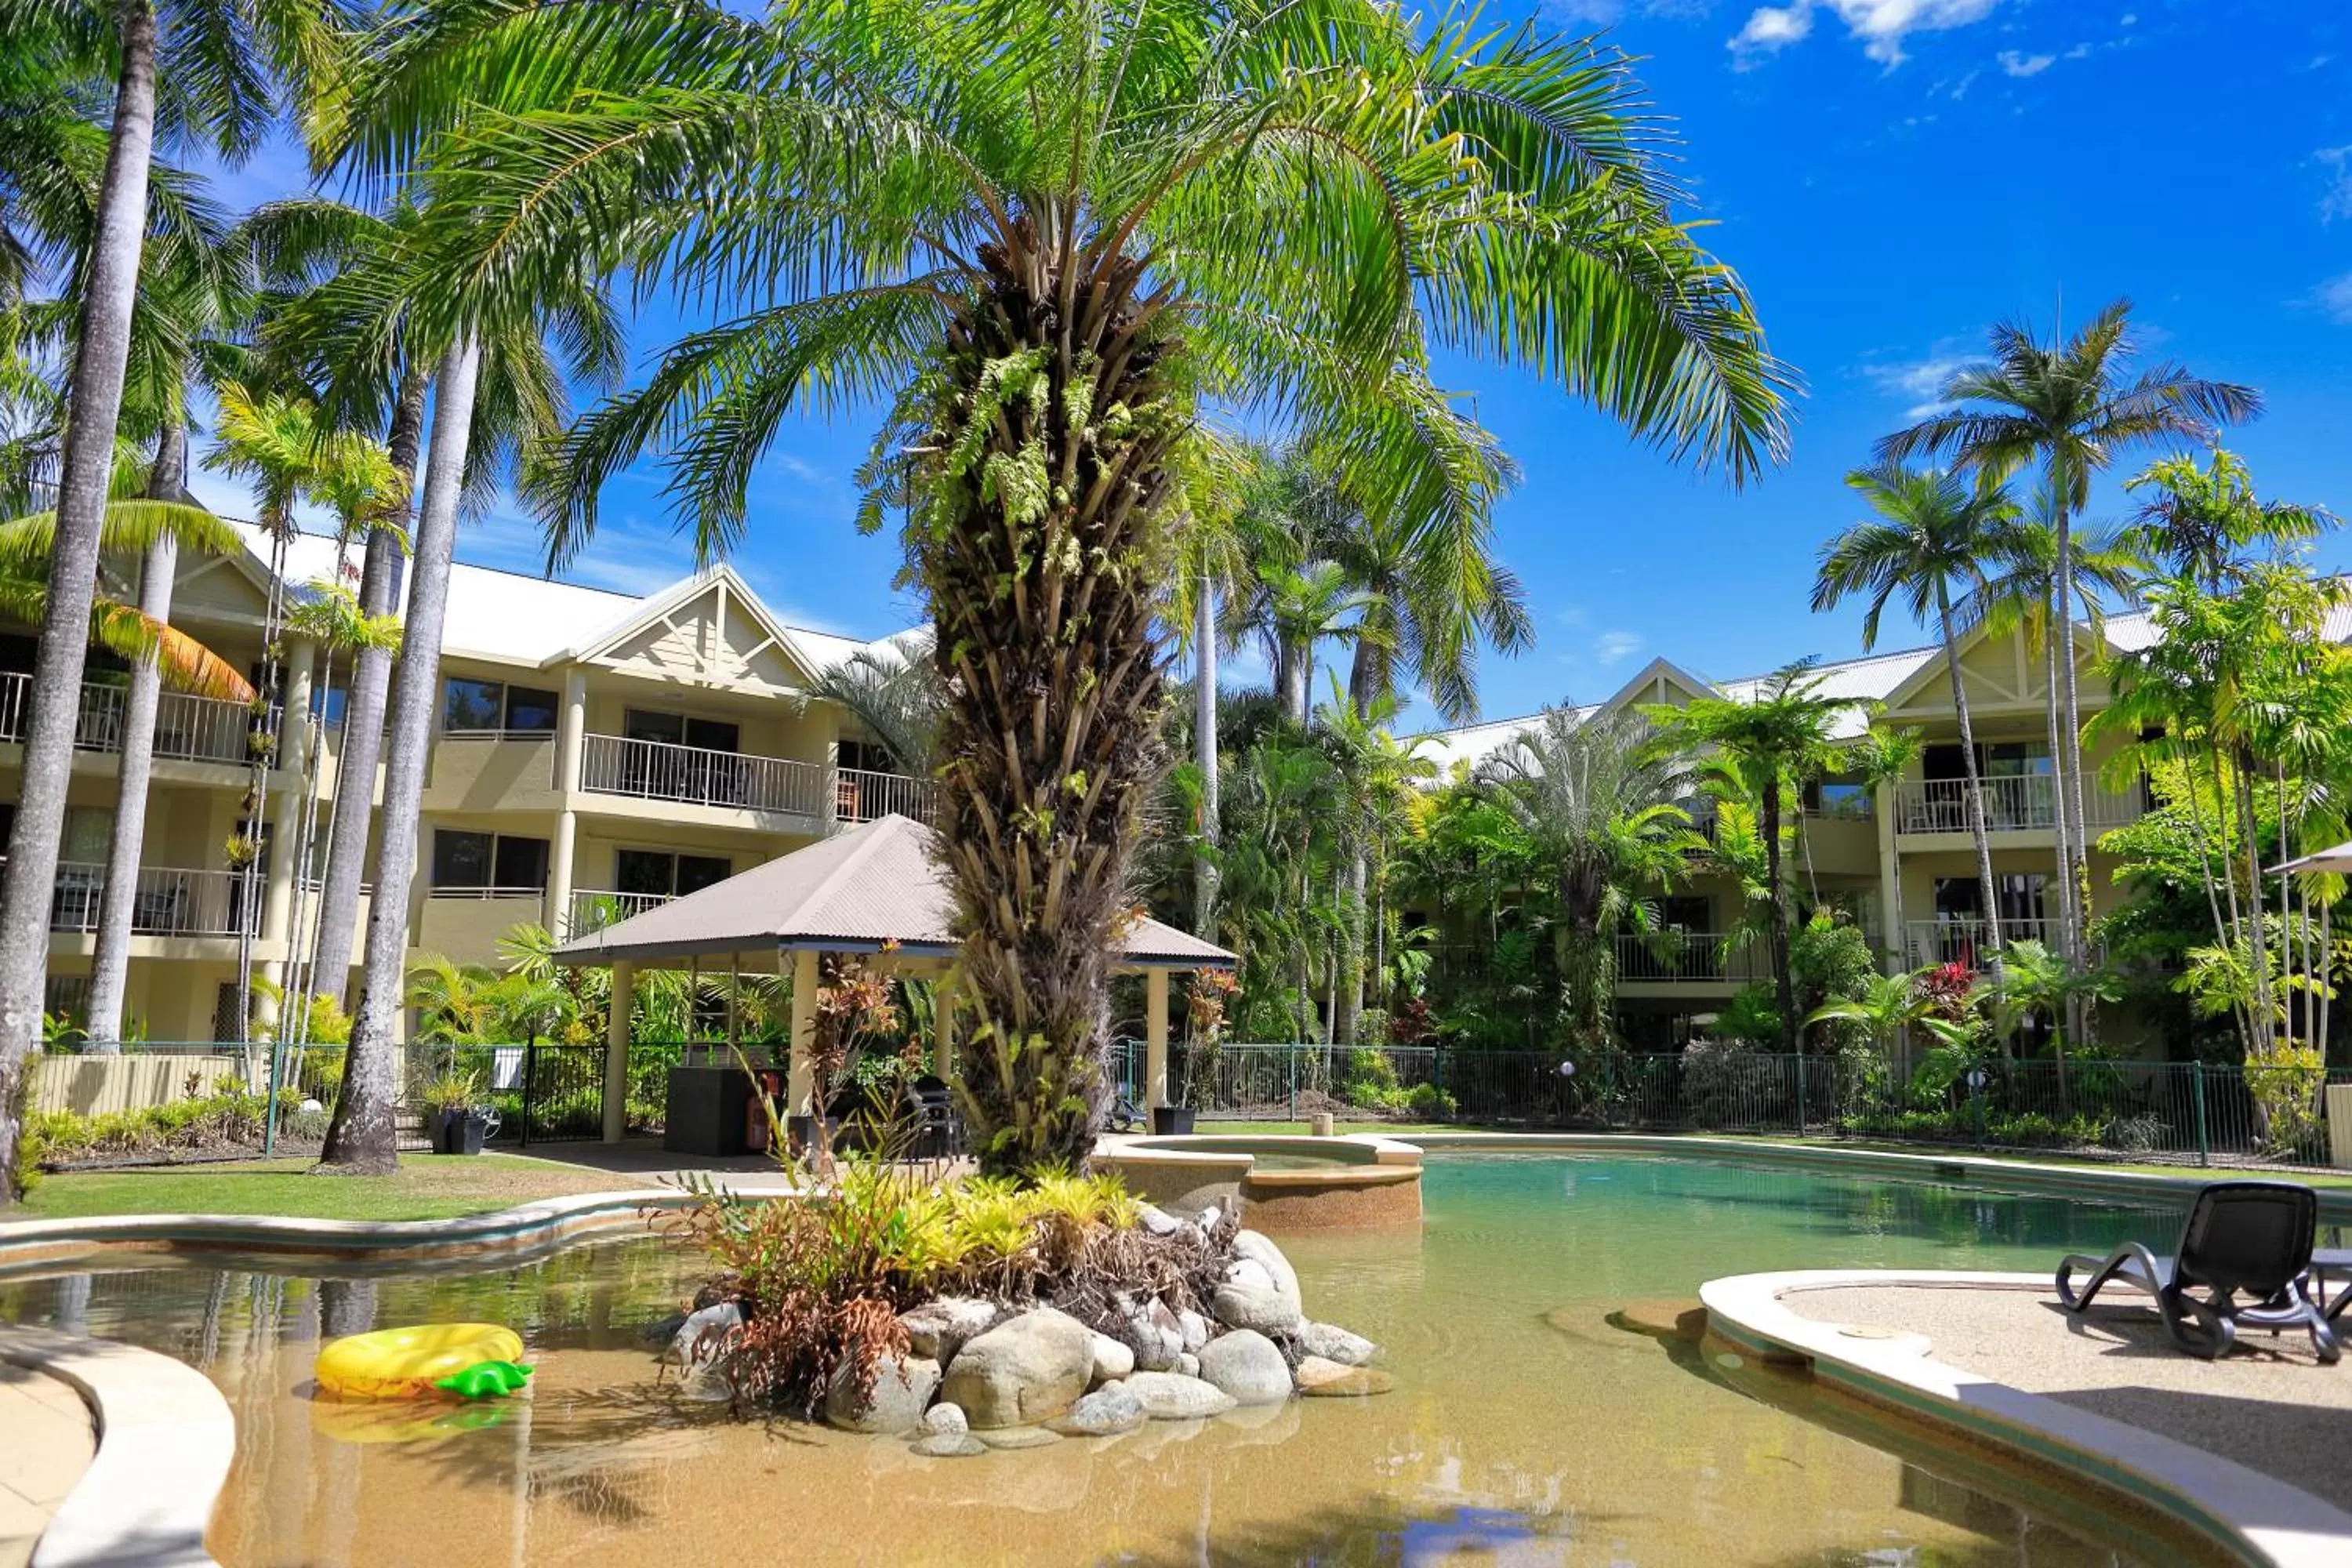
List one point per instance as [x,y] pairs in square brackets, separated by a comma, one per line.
[2164,1112]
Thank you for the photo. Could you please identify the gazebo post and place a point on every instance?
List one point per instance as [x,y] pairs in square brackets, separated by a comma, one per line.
[1155,1038]
[800,1082]
[943,1028]
[616,1050]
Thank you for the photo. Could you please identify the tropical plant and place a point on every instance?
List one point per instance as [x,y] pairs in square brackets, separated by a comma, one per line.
[2208,524]
[1888,1004]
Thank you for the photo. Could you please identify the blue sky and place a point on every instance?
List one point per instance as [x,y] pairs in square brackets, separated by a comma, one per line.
[1889,176]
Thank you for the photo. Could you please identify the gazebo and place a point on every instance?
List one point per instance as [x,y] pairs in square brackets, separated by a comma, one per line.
[876,887]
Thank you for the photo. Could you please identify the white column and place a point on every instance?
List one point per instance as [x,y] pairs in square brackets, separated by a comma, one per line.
[1890,883]
[1155,1038]
[559,874]
[569,726]
[616,1050]
[799,1084]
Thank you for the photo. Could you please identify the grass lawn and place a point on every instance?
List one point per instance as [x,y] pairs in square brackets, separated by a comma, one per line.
[428,1187]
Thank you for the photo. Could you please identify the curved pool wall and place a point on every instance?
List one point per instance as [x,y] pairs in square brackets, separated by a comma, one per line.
[1287,1186]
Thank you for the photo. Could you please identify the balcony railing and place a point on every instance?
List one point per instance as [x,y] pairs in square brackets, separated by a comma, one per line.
[694,776]
[859,796]
[1688,958]
[187,728]
[593,909]
[166,900]
[1963,939]
[2013,802]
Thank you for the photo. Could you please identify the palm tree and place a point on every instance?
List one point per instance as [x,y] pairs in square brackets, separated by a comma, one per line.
[2071,406]
[1935,534]
[230,64]
[1598,800]
[896,695]
[1048,234]
[2207,523]
[1891,1003]
[1772,743]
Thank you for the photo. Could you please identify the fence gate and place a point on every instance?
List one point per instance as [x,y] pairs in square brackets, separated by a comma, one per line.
[562,1094]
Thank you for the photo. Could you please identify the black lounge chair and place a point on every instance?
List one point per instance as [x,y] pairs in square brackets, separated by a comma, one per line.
[2252,1238]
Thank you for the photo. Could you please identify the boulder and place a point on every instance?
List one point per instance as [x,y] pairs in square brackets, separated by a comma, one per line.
[950,1445]
[1253,1247]
[1194,1328]
[1106,1413]
[1247,1365]
[945,1417]
[938,1329]
[1187,1364]
[1333,1342]
[1154,1334]
[1114,1359]
[1166,1397]
[1263,1312]
[701,1337]
[1018,1438]
[1345,1382]
[662,1333]
[902,1388]
[1251,1275]
[1158,1221]
[1025,1370]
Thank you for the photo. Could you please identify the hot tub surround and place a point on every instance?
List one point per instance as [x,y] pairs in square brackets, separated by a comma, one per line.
[1285,1187]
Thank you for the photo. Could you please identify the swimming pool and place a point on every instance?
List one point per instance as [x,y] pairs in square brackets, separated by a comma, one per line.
[1526,1429]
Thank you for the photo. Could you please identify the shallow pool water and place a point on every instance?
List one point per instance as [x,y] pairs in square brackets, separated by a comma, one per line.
[1525,1428]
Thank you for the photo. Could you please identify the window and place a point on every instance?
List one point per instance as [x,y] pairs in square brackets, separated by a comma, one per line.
[1846,797]
[519,863]
[678,730]
[695,872]
[492,707]
[466,860]
[866,756]
[657,873]
[328,702]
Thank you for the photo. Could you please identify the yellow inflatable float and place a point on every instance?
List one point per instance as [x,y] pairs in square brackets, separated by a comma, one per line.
[468,1361]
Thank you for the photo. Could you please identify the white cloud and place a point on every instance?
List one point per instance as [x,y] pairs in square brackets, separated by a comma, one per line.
[2015,63]
[1920,382]
[2338,200]
[1881,26]
[2335,296]
[1615,648]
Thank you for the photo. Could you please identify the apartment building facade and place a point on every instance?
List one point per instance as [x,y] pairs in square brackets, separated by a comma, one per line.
[1898,857]
[592,754]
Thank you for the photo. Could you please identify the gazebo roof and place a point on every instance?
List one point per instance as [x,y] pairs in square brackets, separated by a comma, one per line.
[852,892]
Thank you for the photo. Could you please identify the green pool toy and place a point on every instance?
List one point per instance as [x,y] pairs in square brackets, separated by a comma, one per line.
[485,1380]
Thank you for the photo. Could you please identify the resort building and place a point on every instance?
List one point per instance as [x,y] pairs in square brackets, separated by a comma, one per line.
[1898,857]
[594,755]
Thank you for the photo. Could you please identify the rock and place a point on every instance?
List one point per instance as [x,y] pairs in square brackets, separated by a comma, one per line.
[950,1445]
[1018,1438]
[938,1329]
[1158,1221]
[901,1390]
[1187,1364]
[1106,1413]
[1247,1365]
[1251,1275]
[945,1417]
[1025,1370]
[1348,1382]
[662,1333]
[1253,1247]
[1333,1342]
[1195,1329]
[702,1337]
[1314,1368]
[1113,1359]
[1166,1397]
[1154,1334]
[1240,1307]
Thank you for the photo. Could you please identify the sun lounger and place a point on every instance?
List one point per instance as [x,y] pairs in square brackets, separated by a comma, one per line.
[2243,1239]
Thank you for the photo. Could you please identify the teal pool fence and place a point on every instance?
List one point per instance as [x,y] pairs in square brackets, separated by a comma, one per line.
[2167,1113]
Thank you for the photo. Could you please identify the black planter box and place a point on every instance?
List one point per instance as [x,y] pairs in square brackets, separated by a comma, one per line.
[459,1132]
[1171,1120]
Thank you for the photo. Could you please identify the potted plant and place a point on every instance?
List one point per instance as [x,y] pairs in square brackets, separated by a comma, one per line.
[454,1114]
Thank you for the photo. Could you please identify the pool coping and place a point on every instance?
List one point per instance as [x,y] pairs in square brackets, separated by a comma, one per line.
[165,1443]
[2260,1518]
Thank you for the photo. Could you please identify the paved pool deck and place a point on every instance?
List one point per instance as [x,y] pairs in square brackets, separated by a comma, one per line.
[48,1444]
[2268,1404]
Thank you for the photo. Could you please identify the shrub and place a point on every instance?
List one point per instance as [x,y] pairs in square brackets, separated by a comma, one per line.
[1429,1102]
[231,1114]
[1725,1083]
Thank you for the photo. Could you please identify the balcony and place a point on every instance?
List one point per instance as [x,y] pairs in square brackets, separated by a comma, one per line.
[859,796]
[1962,939]
[693,775]
[167,902]
[1689,958]
[187,729]
[2013,802]
[593,909]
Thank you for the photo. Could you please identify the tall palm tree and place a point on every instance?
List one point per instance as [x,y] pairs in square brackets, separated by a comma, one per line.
[1935,534]
[1599,800]
[231,69]
[2072,406]
[1772,743]
[2209,524]
[1074,225]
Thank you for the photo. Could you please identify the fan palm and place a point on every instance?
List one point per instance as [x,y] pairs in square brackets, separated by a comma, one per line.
[2071,406]
[1050,235]
[1935,534]
[1598,800]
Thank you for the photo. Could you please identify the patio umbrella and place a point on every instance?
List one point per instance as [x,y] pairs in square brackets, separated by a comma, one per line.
[2337,860]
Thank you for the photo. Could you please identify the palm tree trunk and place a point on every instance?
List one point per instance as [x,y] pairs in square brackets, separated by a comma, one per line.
[1977,826]
[1783,985]
[1366,676]
[2069,915]
[109,966]
[267,732]
[111,283]
[363,741]
[2079,867]
[360,1138]
[1204,750]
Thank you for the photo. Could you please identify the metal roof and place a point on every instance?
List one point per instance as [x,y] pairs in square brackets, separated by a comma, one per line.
[852,892]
